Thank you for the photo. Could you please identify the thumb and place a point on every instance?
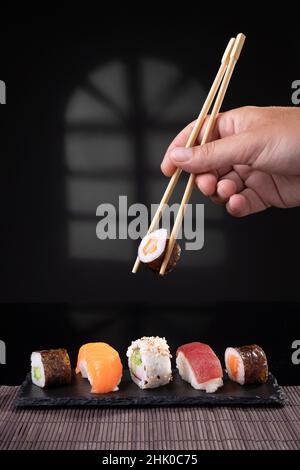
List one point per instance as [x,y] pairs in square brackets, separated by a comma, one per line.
[236,149]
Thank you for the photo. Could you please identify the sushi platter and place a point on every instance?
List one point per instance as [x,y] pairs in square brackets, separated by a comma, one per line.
[99,378]
[176,393]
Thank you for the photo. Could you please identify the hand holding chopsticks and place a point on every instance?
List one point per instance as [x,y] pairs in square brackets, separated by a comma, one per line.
[228,63]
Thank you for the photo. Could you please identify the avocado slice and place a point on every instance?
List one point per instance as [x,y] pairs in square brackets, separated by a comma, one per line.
[136,359]
[37,373]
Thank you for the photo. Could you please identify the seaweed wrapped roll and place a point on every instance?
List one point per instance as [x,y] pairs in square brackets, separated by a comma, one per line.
[152,250]
[50,368]
[247,364]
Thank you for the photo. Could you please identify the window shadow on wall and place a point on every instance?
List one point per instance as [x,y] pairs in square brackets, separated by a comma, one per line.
[119,122]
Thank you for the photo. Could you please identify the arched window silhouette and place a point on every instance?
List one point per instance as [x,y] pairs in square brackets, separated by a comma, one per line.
[118,124]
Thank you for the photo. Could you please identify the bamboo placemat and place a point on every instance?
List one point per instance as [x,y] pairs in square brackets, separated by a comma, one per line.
[182,428]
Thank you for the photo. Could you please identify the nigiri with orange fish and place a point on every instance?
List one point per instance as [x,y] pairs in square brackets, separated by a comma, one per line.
[101,365]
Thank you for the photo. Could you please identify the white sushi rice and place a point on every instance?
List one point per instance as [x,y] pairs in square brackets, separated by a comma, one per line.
[154,368]
[186,372]
[37,370]
[240,378]
[84,370]
[160,236]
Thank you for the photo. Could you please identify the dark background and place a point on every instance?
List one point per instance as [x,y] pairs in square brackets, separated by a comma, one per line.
[60,286]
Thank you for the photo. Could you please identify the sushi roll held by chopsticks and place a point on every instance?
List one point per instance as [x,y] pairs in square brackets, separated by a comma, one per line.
[152,250]
[149,362]
[50,368]
[247,364]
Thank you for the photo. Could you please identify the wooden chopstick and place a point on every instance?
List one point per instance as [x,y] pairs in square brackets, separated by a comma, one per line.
[191,140]
[234,55]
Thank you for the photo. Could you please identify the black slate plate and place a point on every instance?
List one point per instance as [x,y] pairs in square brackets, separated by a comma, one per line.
[177,392]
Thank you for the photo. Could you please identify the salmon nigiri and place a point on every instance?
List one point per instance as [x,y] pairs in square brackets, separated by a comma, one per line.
[101,365]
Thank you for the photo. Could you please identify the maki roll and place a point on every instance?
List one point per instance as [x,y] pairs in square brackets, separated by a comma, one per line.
[247,364]
[198,364]
[152,250]
[149,362]
[101,365]
[50,368]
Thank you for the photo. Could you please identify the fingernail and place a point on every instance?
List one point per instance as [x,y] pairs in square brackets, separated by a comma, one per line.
[181,154]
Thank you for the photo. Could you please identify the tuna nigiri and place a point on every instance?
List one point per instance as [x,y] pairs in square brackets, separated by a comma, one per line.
[101,365]
[198,364]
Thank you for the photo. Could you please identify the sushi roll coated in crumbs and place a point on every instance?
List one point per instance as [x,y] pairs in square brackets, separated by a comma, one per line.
[247,364]
[152,250]
[198,364]
[149,362]
[50,368]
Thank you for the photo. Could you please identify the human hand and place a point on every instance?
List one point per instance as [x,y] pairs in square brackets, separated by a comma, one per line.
[252,162]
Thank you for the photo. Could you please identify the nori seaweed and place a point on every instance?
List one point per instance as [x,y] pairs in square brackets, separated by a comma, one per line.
[255,363]
[57,367]
[155,265]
